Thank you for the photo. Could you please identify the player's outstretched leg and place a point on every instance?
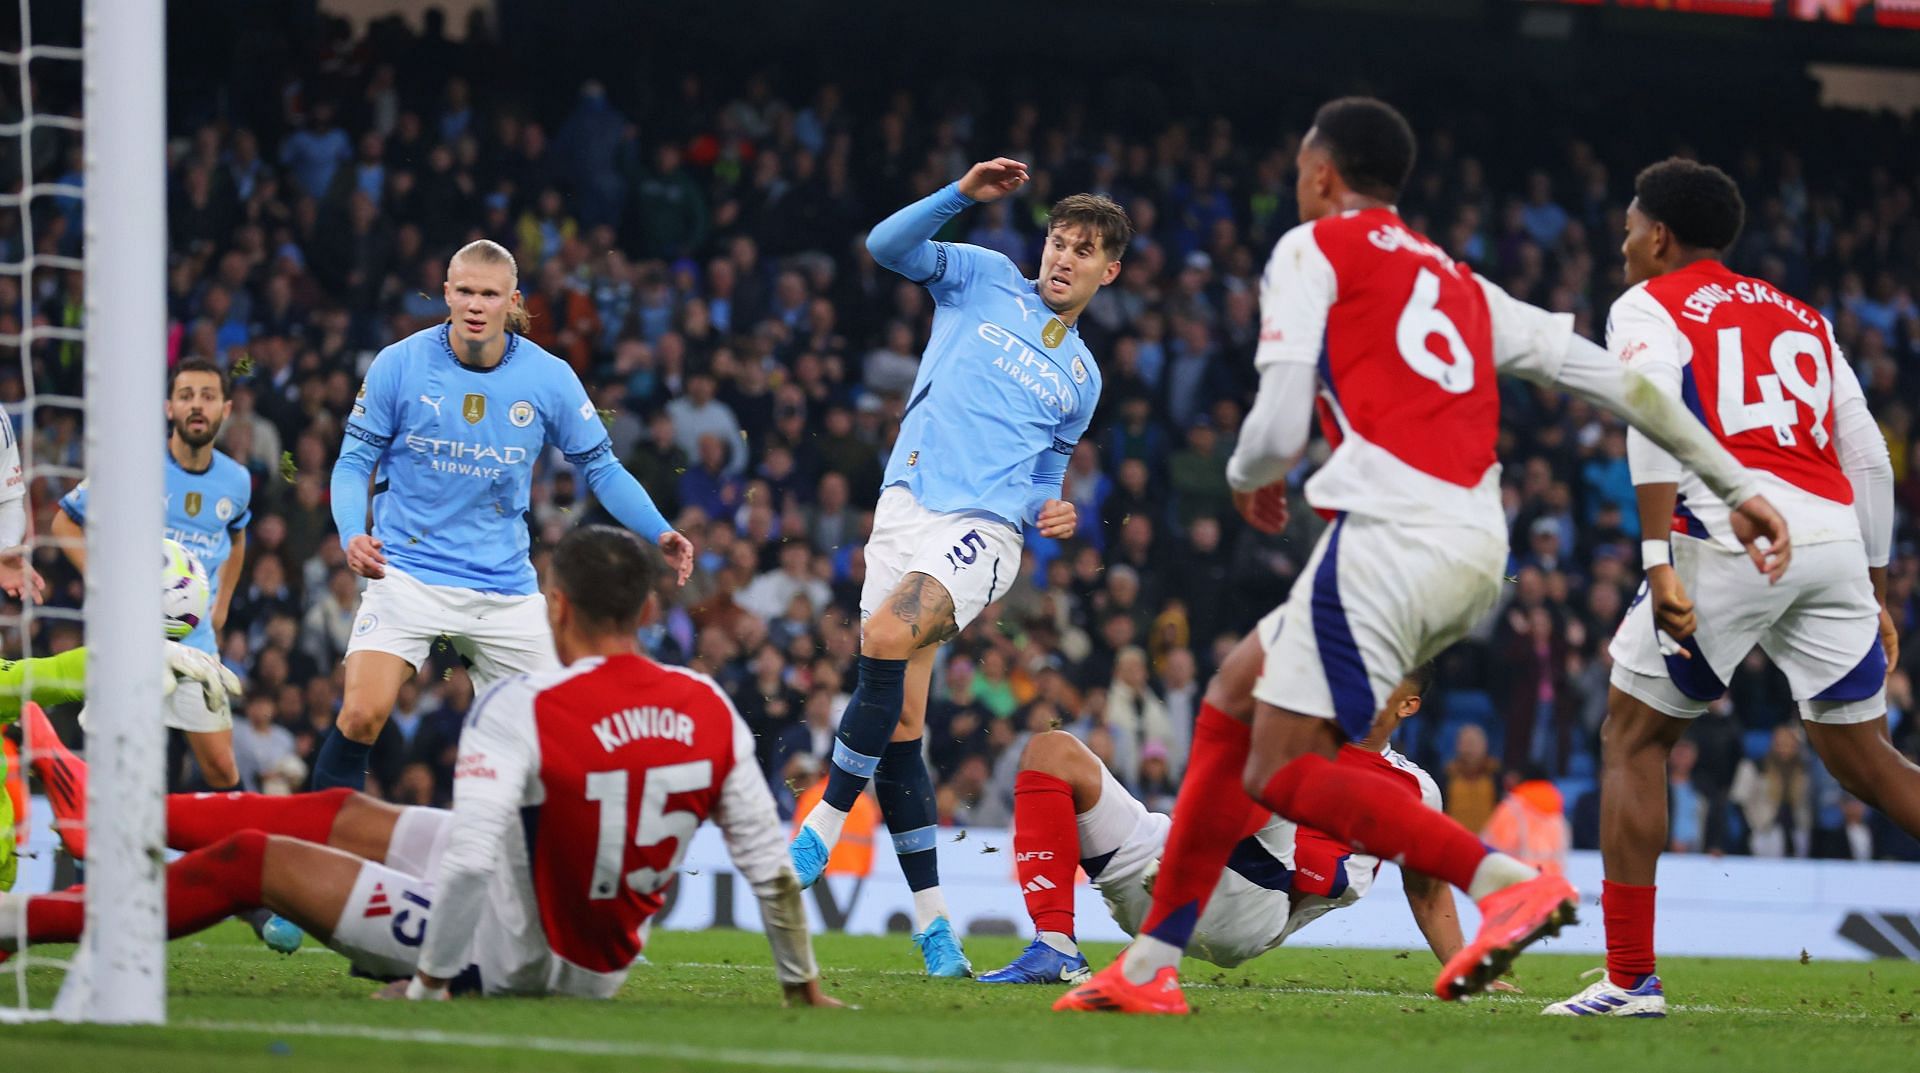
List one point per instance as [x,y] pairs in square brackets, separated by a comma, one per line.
[1862,757]
[1209,817]
[1057,776]
[1292,774]
[203,888]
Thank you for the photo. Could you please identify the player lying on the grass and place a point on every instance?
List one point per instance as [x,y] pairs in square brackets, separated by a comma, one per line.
[576,794]
[1689,324]
[1069,812]
[1405,345]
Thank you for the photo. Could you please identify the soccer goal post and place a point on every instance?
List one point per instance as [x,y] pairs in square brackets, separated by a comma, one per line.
[120,976]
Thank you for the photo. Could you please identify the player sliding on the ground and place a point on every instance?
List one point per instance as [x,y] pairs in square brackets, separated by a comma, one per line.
[1004,392]
[1764,373]
[576,794]
[1406,343]
[453,418]
[1069,812]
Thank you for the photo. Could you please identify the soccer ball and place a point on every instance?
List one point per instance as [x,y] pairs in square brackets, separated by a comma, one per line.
[183,590]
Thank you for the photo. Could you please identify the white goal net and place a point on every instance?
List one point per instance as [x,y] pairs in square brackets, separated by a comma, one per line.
[91,91]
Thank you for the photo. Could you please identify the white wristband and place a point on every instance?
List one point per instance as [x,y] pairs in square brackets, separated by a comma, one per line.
[1655,553]
[417,991]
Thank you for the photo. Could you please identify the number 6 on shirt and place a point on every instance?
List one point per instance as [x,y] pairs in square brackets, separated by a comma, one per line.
[654,826]
[1420,321]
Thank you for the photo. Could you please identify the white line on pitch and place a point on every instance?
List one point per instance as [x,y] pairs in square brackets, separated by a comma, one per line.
[734,1056]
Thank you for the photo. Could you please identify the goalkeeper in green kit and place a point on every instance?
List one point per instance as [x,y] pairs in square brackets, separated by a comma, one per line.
[62,679]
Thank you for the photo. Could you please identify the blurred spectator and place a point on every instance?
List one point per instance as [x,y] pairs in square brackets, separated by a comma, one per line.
[1685,808]
[1471,787]
[1530,823]
[1775,794]
[259,744]
[1853,840]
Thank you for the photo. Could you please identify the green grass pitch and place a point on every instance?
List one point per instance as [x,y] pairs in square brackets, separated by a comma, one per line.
[708,1002]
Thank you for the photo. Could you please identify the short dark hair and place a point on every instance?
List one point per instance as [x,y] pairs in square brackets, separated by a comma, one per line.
[1421,678]
[1101,215]
[200,365]
[1370,143]
[607,574]
[1698,202]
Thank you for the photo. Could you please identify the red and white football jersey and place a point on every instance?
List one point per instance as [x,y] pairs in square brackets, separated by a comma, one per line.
[586,785]
[1407,342]
[1762,371]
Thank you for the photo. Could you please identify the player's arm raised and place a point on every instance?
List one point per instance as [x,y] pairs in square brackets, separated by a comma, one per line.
[747,818]
[1539,346]
[1862,450]
[904,242]
[488,783]
[1296,291]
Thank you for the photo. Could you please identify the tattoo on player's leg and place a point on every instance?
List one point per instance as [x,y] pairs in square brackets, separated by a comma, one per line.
[927,609]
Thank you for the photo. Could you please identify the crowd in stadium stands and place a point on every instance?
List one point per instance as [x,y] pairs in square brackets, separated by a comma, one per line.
[701,266]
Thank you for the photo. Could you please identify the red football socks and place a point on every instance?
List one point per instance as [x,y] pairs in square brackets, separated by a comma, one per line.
[196,820]
[1046,848]
[1367,811]
[1628,910]
[203,888]
[1210,817]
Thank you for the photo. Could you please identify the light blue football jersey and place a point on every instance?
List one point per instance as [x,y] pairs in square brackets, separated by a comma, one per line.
[1003,381]
[457,448]
[204,510]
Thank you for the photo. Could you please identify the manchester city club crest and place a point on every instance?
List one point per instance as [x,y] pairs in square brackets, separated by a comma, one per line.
[1079,371]
[521,414]
[473,408]
[1053,334]
[193,504]
[223,509]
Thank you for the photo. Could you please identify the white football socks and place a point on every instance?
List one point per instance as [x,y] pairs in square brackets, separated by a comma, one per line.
[1060,941]
[826,821]
[1146,957]
[1497,872]
[928,906]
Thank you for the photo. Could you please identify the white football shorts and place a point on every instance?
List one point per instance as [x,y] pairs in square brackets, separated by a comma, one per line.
[501,635]
[1820,625]
[385,919]
[1376,600]
[975,556]
[1121,842]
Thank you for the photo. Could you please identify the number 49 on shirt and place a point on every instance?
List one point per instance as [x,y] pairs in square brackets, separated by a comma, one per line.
[1774,410]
